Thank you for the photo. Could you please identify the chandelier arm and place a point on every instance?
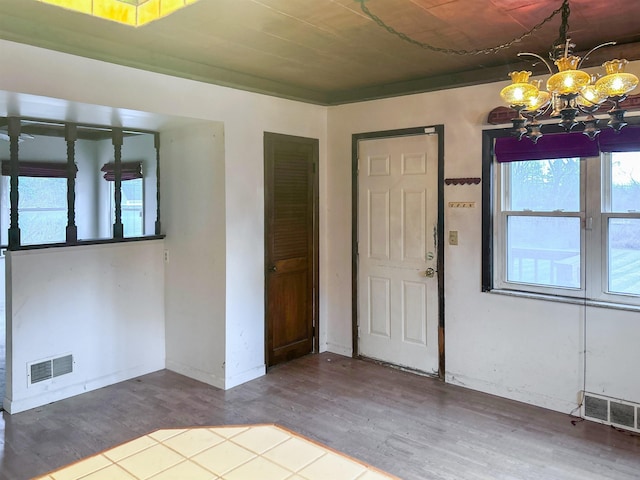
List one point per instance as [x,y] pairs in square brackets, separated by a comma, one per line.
[546,109]
[539,58]
[587,111]
[538,113]
[593,50]
[615,101]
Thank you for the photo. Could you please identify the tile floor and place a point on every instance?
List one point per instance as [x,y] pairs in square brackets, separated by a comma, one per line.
[248,452]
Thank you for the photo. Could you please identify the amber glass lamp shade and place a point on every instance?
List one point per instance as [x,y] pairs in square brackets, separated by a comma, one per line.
[590,97]
[520,91]
[538,102]
[568,80]
[616,82]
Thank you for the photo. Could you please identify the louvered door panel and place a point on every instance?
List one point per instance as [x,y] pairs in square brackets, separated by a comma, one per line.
[291,205]
[289,222]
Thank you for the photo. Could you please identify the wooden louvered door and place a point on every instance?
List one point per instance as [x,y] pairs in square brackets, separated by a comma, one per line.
[291,273]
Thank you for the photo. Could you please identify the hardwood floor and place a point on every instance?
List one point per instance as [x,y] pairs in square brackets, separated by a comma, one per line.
[414,427]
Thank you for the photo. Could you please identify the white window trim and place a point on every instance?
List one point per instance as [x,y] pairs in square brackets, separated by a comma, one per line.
[594,213]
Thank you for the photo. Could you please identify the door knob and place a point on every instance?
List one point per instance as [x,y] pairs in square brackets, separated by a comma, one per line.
[273,268]
[430,273]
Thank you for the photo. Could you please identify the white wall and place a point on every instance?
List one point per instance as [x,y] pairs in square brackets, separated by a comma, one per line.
[528,350]
[103,304]
[89,91]
[244,190]
[193,214]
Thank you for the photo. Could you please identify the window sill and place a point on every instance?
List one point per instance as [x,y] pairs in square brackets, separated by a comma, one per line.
[569,300]
[80,243]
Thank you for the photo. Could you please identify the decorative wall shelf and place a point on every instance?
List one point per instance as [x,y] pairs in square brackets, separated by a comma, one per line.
[462,181]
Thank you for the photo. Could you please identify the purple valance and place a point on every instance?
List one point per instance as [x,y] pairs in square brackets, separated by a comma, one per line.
[129,171]
[627,140]
[38,169]
[567,145]
[549,146]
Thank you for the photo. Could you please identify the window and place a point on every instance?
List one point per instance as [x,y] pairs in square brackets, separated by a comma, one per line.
[58,163]
[132,207]
[622,222]
[564,225]
[42,202]
[132,195]
[42,209]
[540,218]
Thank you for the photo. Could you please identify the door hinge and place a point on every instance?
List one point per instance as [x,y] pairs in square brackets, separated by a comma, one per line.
[313,332]
[359,331]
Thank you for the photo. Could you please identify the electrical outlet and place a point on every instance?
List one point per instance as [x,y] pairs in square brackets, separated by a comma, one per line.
[166,256]
[453,237]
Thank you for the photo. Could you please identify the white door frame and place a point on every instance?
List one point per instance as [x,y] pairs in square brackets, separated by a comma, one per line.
[355,139]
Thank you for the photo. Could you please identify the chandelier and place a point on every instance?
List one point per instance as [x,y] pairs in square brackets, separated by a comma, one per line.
[570,91]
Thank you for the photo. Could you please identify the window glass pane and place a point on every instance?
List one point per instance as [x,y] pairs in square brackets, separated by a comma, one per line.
[44,226]
[131,207]
[624,255]
[42,209]
[545,185]
[625,182]
[544,251]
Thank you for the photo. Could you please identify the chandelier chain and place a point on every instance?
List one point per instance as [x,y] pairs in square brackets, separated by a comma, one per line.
[564,8]
[564,25]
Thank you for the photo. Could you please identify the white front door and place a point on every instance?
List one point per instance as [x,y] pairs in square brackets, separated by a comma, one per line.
[397,235]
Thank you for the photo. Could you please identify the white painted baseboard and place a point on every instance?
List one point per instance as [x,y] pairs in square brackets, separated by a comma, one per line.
[244,377]
[531,398]
[200,375]
[23,404]
[340,349]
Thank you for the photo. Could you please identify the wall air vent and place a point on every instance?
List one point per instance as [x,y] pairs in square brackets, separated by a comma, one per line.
[48,369]
[40,371]
[611,411]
